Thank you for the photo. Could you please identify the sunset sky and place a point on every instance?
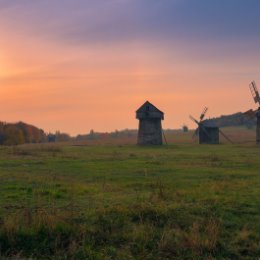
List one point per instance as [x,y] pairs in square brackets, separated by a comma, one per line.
[76,65]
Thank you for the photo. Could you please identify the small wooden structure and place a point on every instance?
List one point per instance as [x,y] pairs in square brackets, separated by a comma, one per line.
[150,124]
[208,133]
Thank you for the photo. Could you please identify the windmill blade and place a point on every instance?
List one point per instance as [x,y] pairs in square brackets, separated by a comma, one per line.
[194,120]
[196,132]
[164,137]
[254,92]
[203,113]
[226,137]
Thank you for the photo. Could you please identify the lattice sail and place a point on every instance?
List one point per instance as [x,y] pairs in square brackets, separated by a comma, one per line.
[203,113]
[254,92]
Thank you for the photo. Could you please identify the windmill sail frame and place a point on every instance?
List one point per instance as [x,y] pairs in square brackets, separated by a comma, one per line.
[208,133]
[255,92]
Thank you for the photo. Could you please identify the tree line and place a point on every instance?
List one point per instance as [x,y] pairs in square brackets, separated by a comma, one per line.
[237,119]
[20,133]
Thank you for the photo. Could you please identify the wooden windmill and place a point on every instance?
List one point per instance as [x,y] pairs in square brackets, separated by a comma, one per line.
[255,113]
[150,124]
[207,131]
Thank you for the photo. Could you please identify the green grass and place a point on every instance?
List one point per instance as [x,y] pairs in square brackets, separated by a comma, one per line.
[180,201]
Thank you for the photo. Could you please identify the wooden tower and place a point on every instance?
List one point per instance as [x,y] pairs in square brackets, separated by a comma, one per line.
[207,131]
[150,124]
[256,97]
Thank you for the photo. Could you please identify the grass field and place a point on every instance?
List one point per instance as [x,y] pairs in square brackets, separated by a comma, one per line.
[181,201]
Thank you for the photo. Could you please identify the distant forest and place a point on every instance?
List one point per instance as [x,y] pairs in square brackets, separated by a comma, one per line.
[20,133]
[237,119]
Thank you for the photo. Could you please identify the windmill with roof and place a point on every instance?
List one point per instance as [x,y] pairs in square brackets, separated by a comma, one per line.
[255,113]
[150,125]
[207,131]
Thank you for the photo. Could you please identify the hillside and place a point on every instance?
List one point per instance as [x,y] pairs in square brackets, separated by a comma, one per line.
[237,119]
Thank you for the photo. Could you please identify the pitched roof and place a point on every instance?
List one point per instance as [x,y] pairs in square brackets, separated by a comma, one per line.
[152,108]
[149,111]
[209,123]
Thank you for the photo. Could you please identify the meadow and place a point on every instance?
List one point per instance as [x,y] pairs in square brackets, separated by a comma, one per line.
[124,202]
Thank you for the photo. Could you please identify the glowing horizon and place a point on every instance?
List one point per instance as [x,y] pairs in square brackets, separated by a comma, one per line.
[90,64]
